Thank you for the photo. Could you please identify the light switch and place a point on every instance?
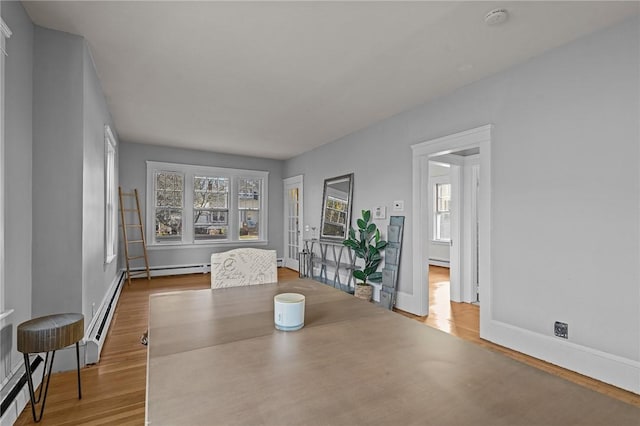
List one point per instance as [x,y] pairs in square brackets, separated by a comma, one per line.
[380,212]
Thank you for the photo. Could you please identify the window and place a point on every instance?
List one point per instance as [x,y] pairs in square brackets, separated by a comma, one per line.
[205,205]
[5,33]
[111,199]
[442,214]
[249,208]
[168,196]
[211,208]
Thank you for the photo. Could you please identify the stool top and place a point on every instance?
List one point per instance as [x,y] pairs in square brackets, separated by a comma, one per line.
[50,332]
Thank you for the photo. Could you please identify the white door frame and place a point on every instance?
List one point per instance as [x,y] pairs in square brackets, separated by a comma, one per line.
[469,239]
[292,181]
[418,301]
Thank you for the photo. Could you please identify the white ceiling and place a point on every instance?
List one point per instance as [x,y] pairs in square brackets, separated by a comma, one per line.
[276,79]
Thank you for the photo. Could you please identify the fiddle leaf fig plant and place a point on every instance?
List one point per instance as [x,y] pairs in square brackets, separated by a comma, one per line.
[367,246]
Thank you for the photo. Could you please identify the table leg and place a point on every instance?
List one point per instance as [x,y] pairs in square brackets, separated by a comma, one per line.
[78,363]
[32,395]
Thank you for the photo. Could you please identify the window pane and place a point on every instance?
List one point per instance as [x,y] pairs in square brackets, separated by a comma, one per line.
[210,208]
[111,224]
[443,226]
[249,226]
[168,224]
[443,197]
[169,198]
[249,192]
[210,224]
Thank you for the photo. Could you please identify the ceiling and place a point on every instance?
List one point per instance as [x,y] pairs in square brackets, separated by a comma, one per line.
[276,79]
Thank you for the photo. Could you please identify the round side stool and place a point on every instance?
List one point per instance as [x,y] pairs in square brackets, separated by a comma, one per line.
[48,334]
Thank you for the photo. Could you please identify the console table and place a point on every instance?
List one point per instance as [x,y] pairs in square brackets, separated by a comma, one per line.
[332,259]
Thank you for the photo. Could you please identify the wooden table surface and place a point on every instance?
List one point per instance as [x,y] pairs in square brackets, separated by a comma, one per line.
[215,358]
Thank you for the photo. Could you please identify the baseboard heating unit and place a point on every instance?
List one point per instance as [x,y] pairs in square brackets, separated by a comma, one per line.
[97,331]
[15,392]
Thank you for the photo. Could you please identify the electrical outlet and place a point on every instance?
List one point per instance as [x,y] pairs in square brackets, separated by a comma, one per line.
[561,329]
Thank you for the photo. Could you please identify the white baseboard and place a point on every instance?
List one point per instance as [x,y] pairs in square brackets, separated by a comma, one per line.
[20,401]
[101,321]
[615,370]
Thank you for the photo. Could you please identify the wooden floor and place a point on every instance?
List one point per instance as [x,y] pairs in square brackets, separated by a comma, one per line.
[114,389]
[463,320]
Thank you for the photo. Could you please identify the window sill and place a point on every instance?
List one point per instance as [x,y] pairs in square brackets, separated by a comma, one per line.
[441,242]
[173,246]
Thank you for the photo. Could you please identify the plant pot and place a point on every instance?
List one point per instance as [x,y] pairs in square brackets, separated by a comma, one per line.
[364,292]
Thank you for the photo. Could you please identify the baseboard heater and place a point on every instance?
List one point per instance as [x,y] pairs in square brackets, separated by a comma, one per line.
[17,396]
[160,271]
[102,320]
[439,262]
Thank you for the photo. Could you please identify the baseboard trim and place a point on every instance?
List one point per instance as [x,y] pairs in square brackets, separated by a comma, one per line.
[18,395]
[612,369]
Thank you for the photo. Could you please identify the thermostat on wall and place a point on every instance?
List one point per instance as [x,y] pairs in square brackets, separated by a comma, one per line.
[380,212]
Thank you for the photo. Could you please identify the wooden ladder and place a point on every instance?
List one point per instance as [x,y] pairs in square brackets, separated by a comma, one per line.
[139,237]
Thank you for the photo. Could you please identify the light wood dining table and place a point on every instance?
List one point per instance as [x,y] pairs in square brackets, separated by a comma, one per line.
[215,358]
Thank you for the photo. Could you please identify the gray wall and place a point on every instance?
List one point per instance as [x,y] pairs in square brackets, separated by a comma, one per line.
[17,163]
[69,114]
[133,172]
[565,190]
[96,276]
[57,172]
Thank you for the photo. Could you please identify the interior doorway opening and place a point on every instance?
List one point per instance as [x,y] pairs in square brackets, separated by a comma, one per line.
[453,234]
[418,302]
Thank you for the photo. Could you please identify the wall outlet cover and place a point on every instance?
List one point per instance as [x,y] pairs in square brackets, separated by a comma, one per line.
[561,329]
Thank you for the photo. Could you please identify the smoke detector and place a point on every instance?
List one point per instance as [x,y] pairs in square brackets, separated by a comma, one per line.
[496,16]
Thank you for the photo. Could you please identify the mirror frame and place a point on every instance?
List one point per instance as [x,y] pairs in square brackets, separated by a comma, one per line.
[327,182]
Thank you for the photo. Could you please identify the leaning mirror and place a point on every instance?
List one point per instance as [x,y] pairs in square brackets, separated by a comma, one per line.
[336,208]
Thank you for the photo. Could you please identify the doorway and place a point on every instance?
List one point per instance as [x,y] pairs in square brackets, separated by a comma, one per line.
[480,137]
[453,232]
[293,199]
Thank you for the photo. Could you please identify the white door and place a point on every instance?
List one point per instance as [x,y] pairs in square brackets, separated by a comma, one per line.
[292,221]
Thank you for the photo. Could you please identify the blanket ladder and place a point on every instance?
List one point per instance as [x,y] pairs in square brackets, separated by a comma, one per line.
[133,232]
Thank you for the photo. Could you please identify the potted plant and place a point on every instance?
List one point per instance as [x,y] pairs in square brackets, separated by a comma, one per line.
[367,247]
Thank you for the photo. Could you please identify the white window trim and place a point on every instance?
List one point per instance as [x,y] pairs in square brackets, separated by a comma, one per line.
[110,196]
[5,33]
[189,171]
[437,180]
